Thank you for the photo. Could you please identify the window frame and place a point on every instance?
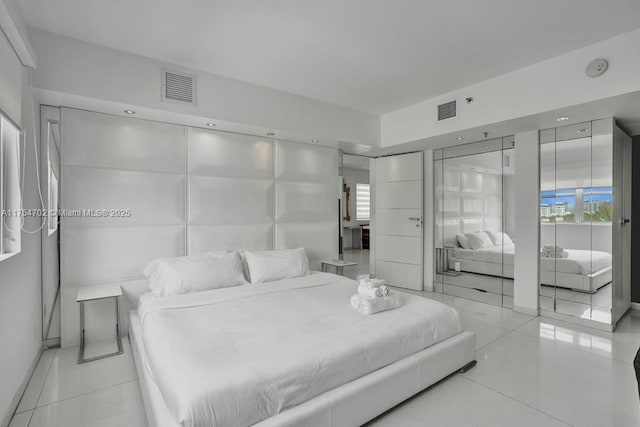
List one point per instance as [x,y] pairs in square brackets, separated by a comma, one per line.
[10,211]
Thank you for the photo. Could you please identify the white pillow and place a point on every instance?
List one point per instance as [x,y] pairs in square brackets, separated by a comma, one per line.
[479,240]
[500,239]
[180,275]
[463,241]
[268,266]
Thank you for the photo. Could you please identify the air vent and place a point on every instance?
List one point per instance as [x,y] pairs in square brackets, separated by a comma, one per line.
[446,110]
[178,87]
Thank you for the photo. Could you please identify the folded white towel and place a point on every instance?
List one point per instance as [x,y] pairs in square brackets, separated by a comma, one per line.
[385,290]
[368,306]
[552,248]
[376,283]
[371,283]
[369,292]
[562,254]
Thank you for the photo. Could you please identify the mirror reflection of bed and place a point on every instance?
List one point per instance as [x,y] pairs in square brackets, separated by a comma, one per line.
[475,222]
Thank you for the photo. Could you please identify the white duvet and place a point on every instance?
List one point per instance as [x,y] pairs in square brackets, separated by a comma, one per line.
[579,261]
[236,356]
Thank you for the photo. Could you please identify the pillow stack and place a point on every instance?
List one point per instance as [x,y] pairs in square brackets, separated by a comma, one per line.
[483,239]
[181,275]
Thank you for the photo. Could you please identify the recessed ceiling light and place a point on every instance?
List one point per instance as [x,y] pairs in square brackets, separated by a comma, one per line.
[315,141]
[459,138]
[129,111]
[211,125]
[270,134]
[583,130]
[562,119]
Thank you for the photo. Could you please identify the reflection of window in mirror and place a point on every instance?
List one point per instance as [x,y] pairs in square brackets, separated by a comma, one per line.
[577,205]
[53,201]
[363,203]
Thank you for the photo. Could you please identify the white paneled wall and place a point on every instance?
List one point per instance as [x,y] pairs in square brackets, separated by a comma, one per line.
[231,191]
[189,191]
[307,191]
[471,201]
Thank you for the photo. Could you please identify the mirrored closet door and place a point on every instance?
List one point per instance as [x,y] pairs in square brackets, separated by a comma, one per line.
[474,231]
[583,213]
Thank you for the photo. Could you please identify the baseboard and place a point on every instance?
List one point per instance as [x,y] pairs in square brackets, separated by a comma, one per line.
[51,343]
[18,396]
[635,306]
[526,310]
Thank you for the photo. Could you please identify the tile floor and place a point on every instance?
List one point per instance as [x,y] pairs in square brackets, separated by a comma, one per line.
[596,306]
[530,372]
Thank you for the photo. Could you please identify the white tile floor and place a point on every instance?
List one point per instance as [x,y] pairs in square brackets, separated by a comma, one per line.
[530,372]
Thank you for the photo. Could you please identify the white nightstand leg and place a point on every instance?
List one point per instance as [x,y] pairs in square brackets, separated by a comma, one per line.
[81,358]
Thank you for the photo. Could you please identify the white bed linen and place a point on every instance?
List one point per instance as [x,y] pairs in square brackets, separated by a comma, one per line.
[579,261]
[235,356]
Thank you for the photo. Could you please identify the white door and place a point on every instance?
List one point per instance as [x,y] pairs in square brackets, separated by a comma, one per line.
[398,220]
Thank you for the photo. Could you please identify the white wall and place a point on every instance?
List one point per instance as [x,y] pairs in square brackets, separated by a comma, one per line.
[352,177]
[527,256]
[190,191]
[75,67]
[20,307]
[552,84]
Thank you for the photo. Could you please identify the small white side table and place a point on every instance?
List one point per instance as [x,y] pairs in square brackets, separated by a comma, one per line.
[93,293]
[338,264]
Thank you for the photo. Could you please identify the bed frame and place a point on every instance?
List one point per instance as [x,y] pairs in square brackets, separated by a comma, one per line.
[351,404]
[578,282]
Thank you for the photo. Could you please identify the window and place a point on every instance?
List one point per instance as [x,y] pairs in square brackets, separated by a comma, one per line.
[10,197]
[597,205]
[558,205]
[363,202]
[577,205]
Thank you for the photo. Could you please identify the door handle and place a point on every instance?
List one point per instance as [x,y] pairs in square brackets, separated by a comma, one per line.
[625,221]
[415,218]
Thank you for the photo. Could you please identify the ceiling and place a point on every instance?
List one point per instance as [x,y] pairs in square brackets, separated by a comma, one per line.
[355,162]
[373,56]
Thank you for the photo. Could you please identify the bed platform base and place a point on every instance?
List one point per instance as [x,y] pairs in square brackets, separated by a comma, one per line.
[468,366]
[351,404]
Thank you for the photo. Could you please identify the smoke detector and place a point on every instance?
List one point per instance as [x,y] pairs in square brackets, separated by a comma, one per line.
[597,67]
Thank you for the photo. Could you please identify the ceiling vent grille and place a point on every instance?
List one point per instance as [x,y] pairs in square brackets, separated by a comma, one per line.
[178,87]
[447,110]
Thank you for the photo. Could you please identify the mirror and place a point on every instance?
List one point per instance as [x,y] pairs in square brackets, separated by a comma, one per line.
[50,185]
[576,211]
[474,221]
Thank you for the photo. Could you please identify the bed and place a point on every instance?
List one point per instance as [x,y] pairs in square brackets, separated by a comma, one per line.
[582,270]
[291,352]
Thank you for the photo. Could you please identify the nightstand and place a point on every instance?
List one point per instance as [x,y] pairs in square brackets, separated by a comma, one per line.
[94,293]
[338,264]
